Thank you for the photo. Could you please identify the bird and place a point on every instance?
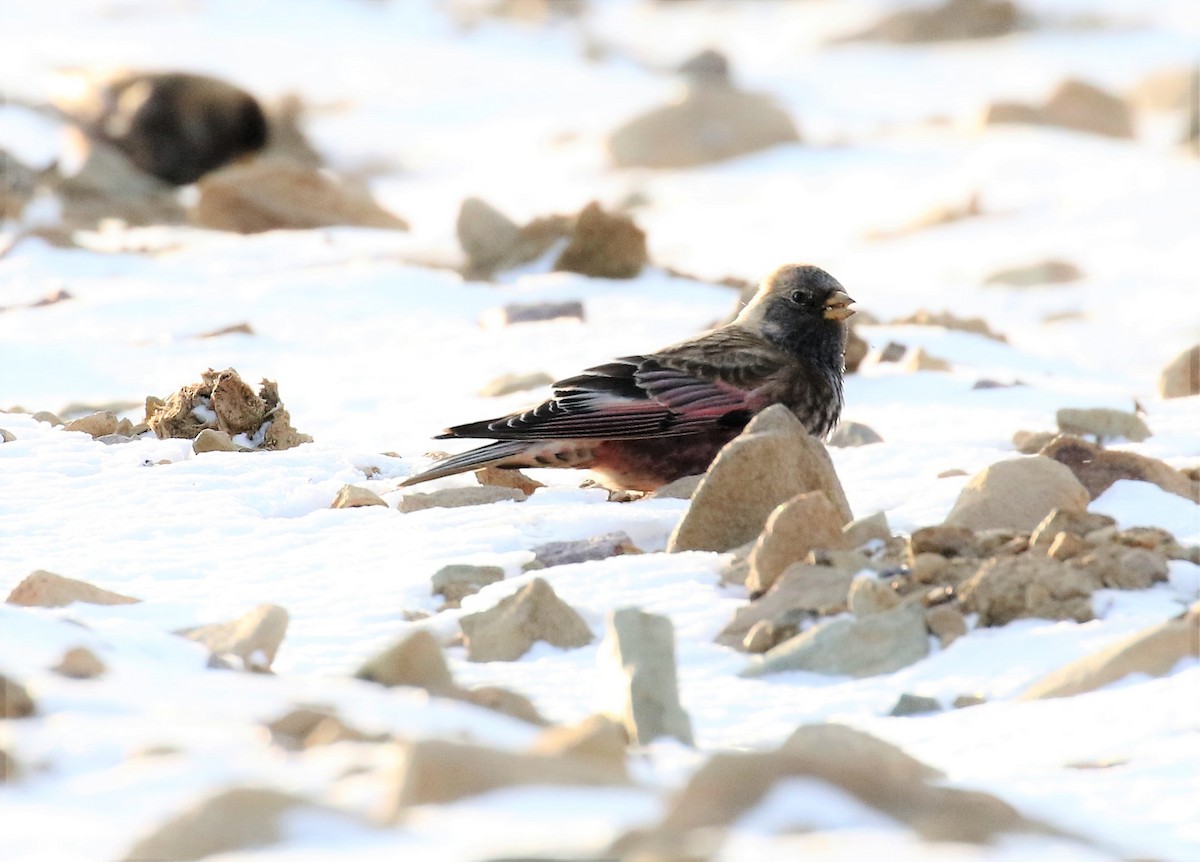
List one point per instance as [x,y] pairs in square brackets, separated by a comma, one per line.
[642,421]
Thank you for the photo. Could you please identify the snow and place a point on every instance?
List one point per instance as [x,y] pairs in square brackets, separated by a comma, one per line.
[375,350]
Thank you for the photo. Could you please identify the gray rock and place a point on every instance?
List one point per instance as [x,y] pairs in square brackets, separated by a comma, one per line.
[507,631]
[488,237]
[639,649]
[1103,423]
[254,637]
[801,587]
[596,548]
[873,645]
[680,489]
[892,352]
[915,704]
[854,434]
[531,312]
[452,498]
[457,581]
[868,596]
[862,530]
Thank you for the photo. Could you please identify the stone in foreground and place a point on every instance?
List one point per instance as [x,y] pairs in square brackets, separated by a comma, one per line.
[507,631]
[638,657]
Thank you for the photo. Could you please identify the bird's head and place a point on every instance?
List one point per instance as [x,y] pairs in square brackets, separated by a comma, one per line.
[799,307]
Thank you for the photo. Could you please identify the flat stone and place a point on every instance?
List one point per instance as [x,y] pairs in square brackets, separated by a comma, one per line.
[499,477]
[353,496]
[877,644]
[1033,274]
[613,544]
[294,726]
[1085,107]
[1016,494]
[6,436]
[680,489]
[416,660]
[638,655]
[532,312]
[457,581]
[487,236]
[915,704]
[48,590]
[503,701]
[254,637]
[507,631]
[805,523]
[1103,423]
[46,416]
[452,498]
[952,20]
[598,738]
[1032,442]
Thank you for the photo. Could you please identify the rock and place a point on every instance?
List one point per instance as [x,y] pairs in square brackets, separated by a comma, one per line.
[108,185]
[416,660]
[95,424]
[253,637]
[1032,442]
[765,634]
[1065,546]
[604,245]
[919,360]
[868,596]
[436,771]
[1080,523]
[863,530]
[1098,468]
[266,194]
[1048,271]
[1103,423]
[15,701]
[596,548]
[1181,376]
[222,401]
[236,819]
[1010,588]
[531,312]
[507,631]
[801,587]
[503,701]
[48,590]
[456,582]
[927,567]
[6,436]
[804,523]
[1168,89]
[1086,108]
[46,416]
[1154,651]
[945,622]
[638,657]
[947,320]
[1123,568]
[212,440]
[499,477]
[487,236]
[915,704]
[332,729]
[854,434]
[453,498]
[711,123]
[945,540]
[892,352]
[292,728]
[680,489]
[352,496]
[79,663]
[1016,494]
[951,21]
[507,384]
[597,738]
[965,700]
[951,473]
[872,645]
[18,184]
[770,462]
[707,66]
[10,770]
[856,350]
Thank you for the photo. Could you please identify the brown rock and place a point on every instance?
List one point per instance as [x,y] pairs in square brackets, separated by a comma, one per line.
[1103,423]
[46,416]
[452,498]
[1098,468]
[1032,442]
[1124,568]
[507,384]
[919,360]
[457,581]
[769,463]
[1154,651]
[613,544]
[1016,494]
[417,660]
[332,729]
[801,587]
[212,440]
[293,727]
[710,124]
[48,590]
[436,771]
[948,320]
[15,701]
[1168,89]
[79,663]
[868,596]
[6,436]
[254,637]
[1181,376]
[604,245]
[503,701]
[1080,523]
[10,770]
[507,631]
[1086,108]
[222,401]
[496,477]
[951,21]
[272,195]
[804,523]
[767,634]
[946,540]
[352,496]
[95,424]
[863,530]
[597,738]
[1010,588]
[856,351]
[1065,546]
[946,622]
[892,352]
[1033,274]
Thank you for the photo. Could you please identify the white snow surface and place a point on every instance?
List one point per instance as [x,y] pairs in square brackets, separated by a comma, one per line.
[375,350]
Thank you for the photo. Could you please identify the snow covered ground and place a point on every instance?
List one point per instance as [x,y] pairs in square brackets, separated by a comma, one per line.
[374,353]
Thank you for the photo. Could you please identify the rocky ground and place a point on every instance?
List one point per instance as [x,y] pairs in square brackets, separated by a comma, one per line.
[244,280]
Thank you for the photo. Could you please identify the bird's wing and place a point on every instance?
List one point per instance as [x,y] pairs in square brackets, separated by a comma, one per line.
[688,388]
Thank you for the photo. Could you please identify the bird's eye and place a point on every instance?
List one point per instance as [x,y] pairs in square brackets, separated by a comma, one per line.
[800,298]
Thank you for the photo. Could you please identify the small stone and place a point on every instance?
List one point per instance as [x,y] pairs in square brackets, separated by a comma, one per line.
[416,660]
[946,540]
[253,637]
[1033,274]
[597,738]
[456,582]
[926,567]
[680,489]
[965,700]
[856,350]
[1124,568]
[853,434]
[872,645]
[949,21]
[915,704]
[638,656]
[507,384]
[773,460]
[352,497]
[863,530]
[763,635]
[1150,538]
[48,590]
[892,352]
[1080,523]
[604,245]
[94,424]
[805,523]
[46,416]
[15,701]
[1016,494]
[503,701]
[868,596]
[452,498]
[1032,442]
[498,477]
[292,728]
[1086,108]
[613,544]
[532,312]
[948,320]
[1097,468]
[507,631]
[952,473]
[1065,546]
[212,440]
[946,623]
[919,360]
[487,236]
[79,663]
[801,587]
[6,436]
[1010,588]
[10,770]
[1181,376]
[1103,424]
[331,730]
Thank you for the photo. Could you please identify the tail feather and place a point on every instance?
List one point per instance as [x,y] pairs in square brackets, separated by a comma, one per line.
[481,457]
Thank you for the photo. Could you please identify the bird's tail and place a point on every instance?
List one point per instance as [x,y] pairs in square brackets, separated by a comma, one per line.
[493,453]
